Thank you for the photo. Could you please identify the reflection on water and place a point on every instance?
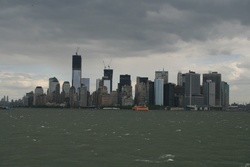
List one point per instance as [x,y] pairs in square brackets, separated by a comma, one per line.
[67,137]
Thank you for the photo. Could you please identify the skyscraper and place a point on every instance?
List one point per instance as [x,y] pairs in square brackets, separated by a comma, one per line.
[124,80]
[162,75]
[108,75]
[215,77]
[209,93]
[66,88]
[76,71]
[85,81]
[193,89]
[179,79]
[224,95]
[159,93]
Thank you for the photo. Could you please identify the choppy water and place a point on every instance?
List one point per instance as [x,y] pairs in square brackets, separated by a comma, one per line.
[102,138]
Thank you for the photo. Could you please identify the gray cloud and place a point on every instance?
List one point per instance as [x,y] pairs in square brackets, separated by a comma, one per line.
[41,35]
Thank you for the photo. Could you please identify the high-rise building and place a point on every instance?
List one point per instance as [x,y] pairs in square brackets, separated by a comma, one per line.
[151,93]
[216,78]
[108,75]
[124,80]
[66,88]
[98,81]
[224,95]
[39,98]
[76,71]
[162,75]
[85,81]
[141,88]
[169,94]
[192,89]
[83,96]
[158,87]
[54,90]
[209,93]
[179,79]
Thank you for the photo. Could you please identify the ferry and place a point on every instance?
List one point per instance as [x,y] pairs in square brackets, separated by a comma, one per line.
[140,108]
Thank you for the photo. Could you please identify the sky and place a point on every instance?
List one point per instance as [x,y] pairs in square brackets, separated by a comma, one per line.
[39,37]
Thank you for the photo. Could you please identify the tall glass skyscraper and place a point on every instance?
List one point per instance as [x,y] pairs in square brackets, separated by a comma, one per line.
[76,71]
[215,77]
[108,79]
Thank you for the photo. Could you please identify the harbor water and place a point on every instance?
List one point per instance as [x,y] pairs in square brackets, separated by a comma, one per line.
[123,138]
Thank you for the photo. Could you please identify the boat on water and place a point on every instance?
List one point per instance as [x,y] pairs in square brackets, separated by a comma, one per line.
[140,108]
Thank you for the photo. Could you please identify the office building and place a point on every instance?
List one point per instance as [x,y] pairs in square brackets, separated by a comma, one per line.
[192,89]
[159,95]
[209,93]
[76,71]
[179,79]
[108,76]
[216,78]
[162,75]
[39,97]
[169,94]
[124,80]
[98,83]
[66,88]
[225,95]
[85,81]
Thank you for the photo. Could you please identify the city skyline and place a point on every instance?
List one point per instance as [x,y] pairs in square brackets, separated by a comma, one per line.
[38,39]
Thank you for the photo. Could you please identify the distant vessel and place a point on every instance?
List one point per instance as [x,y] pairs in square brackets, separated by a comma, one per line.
[140,108]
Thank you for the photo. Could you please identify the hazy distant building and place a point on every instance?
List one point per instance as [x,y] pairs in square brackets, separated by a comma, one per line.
[83,96]
[73,97]
[162,75]
[216,78]
[179,79]
[76,71]
[209,93]
[107,83]
[98,83]
[86,82]
[158,87]
[114,97]
[28,99]
[225,95]
[66,88]
[39,97]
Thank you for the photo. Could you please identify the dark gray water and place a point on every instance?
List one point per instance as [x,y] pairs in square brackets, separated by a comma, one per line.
[102,138]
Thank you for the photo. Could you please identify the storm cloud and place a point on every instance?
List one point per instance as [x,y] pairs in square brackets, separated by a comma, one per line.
[38,38]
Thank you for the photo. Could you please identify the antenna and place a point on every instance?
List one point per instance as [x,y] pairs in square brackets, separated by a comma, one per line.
[109,63]
[77,49]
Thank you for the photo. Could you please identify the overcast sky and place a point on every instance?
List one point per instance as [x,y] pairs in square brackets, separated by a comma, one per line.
[39,37]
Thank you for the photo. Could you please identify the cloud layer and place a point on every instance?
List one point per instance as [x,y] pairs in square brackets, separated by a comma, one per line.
[38,38]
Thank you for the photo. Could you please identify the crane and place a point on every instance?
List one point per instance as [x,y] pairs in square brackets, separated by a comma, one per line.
[104,64]
[109,63]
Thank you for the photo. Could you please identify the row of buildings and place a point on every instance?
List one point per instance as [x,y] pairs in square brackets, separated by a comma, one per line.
[189,91]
